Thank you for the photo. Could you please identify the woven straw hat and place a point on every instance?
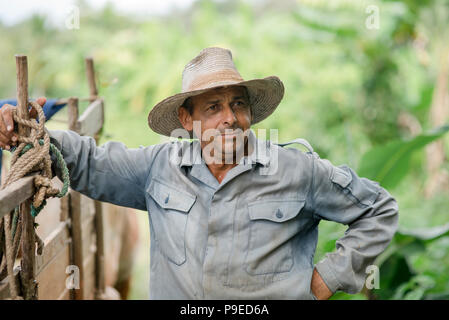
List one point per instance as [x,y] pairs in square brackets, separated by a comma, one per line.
[211,68]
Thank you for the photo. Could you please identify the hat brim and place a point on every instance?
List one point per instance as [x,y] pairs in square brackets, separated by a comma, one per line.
[264,94]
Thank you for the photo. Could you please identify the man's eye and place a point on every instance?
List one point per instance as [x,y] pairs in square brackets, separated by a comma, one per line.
[239,103]
[214,107]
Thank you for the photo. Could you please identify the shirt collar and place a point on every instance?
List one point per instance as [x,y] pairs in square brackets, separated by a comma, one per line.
[190,154]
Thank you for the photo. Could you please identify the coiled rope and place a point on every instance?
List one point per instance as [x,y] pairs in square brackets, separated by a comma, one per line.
[32,155]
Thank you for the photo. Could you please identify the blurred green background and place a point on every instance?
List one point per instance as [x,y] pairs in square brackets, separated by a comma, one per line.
[366,84]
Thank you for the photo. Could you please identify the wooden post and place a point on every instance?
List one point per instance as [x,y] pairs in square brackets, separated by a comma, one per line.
[90,72]
[75,211]
[28,245]
[73,113]
[99,255]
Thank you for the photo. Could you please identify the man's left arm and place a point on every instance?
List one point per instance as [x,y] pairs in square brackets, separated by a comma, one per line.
[338,194]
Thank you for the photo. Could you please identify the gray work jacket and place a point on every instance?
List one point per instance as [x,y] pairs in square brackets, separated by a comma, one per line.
[252,236]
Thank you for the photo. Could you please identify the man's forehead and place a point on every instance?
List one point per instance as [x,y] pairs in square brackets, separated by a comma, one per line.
[220,91]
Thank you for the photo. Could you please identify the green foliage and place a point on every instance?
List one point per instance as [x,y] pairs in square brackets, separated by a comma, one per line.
[399,272]
[388,164]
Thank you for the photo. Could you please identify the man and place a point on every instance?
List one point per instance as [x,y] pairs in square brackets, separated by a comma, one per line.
[232,216]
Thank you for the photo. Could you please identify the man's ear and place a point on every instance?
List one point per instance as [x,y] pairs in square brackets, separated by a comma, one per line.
[185,118]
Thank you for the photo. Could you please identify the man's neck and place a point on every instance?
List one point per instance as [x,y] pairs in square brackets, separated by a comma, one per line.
[219,171]
[220,168]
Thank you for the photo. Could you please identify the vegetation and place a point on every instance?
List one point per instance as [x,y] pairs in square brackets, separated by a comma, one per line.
[372,98]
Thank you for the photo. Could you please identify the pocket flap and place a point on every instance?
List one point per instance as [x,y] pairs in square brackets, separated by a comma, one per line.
[170,197]
[275,210]
[361,191]
[341,177]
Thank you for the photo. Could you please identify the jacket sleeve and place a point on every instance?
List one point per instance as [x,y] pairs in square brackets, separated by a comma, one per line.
[371,214]
[110,173]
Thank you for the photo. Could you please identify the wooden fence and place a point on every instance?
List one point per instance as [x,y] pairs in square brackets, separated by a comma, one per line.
[71,228]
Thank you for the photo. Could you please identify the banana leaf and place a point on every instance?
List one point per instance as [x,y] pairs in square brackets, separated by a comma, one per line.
[388,164]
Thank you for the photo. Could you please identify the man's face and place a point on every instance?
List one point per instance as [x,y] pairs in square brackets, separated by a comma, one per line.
[225,115]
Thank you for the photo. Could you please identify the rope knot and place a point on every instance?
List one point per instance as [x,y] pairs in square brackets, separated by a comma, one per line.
[33,155]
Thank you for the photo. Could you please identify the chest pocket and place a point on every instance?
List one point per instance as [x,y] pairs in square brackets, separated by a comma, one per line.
[273,224]
[169,214]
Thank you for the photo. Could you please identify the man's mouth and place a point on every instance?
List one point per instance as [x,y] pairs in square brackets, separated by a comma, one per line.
[229,135]
[230,132]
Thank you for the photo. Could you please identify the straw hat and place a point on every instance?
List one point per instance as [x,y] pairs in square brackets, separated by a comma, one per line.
[211,68]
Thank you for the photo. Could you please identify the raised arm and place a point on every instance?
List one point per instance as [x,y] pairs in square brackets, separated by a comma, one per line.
[110,173]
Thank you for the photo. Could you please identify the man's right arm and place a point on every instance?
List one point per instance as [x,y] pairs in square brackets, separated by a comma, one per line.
[110,173]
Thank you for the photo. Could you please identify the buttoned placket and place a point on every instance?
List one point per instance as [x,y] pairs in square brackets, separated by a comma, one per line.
[220,224]
[221,220]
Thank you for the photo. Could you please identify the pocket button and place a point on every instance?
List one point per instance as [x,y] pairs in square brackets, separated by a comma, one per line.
[279,214]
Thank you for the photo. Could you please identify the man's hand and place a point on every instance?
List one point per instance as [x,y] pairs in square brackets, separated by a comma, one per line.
[319,287]
[8,137]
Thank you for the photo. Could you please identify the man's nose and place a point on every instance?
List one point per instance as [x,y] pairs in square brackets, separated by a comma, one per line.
[229,116]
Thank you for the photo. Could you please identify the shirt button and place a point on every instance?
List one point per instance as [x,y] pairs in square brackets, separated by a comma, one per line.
[279,214]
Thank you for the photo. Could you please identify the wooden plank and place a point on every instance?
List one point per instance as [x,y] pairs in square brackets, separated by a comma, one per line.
[91,121]
[28,244]
[89,277]
[28,253]
[89,238]
[4,285]
[49,218]
[99,257]
[79,213]
[87,209]
[65,208]
[77,244]
[74,204]
[52,279]
[65,295]
[16,193]
[56,242]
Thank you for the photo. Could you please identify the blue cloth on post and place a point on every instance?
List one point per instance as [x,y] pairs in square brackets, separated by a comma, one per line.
[50,107]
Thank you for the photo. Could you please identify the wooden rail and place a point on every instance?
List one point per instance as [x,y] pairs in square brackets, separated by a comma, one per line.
[15,194]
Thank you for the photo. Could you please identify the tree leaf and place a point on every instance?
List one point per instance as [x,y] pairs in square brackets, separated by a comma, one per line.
[388,164]
[423,234]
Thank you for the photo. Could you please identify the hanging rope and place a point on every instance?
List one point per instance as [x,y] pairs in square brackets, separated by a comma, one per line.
[32,155]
